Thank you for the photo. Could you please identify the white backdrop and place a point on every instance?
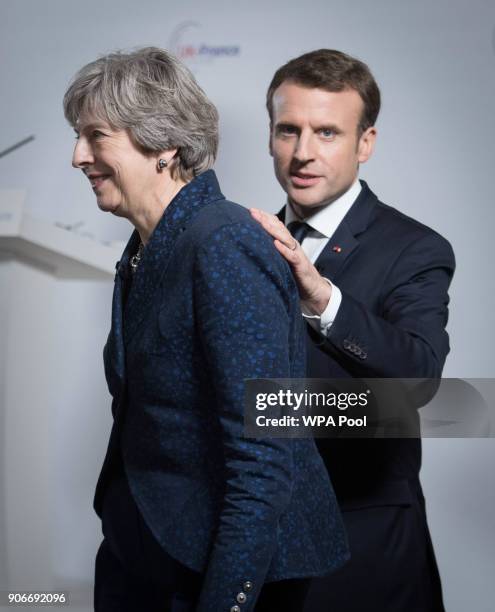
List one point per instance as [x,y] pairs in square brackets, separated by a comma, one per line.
[435,64]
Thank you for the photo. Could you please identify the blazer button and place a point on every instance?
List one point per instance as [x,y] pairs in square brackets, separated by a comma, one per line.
[241,597]
[248,585]
[235,609]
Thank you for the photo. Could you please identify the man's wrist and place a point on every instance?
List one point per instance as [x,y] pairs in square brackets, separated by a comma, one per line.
[317,304]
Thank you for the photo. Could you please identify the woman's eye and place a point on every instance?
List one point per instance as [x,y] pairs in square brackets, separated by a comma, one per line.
[97,134]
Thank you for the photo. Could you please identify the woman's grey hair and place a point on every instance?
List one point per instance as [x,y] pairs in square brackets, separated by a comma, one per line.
[153,95]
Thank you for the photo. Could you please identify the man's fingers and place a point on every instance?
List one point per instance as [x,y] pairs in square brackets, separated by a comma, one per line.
[274,227]
[293,256]
[268,221]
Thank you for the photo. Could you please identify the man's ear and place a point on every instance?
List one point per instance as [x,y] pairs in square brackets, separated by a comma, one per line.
[366,144]
[270,148]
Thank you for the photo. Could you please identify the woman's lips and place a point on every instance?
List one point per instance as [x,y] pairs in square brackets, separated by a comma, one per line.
[97,181]
[304,180]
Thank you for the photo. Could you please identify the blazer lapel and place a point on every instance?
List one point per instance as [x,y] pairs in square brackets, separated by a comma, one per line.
[113,353]
[338,249]
[344,241]
[157,253]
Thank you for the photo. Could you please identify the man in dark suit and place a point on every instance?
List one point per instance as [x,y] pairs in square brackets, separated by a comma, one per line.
[373,284]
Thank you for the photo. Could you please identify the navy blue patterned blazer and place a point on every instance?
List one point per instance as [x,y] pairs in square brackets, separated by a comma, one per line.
[212,303]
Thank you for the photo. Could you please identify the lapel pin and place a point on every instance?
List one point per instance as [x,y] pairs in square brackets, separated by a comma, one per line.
[337,249]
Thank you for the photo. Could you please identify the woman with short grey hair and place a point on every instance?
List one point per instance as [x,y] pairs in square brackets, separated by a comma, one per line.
[194,515]
[155,97]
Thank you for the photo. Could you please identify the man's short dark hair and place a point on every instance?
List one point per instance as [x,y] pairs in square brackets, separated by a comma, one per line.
[331,70]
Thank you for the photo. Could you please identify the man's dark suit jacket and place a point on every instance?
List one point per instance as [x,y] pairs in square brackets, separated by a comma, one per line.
[212,304]
[394,274]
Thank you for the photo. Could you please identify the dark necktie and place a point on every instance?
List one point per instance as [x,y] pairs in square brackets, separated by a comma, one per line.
[299,230]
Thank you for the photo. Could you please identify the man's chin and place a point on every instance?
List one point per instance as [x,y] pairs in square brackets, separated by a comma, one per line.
[306,205]
[305,200]
[311,199]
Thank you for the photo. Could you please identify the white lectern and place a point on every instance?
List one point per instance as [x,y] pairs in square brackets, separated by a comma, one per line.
[54,406]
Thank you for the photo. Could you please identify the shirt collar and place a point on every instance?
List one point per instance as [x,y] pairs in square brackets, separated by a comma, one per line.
[326,220]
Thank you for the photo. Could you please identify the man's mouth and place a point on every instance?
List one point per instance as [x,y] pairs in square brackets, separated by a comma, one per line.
[303,179]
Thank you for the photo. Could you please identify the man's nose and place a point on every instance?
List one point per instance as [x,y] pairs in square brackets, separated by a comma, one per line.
[304,149]
[83,154]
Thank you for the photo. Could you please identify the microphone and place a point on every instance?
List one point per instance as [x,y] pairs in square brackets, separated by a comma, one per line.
[15,146]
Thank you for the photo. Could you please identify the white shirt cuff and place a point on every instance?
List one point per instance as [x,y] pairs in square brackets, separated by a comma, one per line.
[324,322]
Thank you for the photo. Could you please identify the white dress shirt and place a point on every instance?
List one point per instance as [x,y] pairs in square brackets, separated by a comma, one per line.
[323,225]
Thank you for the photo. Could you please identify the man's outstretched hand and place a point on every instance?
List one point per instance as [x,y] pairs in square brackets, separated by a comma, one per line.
[314,290]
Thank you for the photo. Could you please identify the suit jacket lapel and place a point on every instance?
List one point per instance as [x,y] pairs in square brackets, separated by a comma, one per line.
[337,250]
[344,240]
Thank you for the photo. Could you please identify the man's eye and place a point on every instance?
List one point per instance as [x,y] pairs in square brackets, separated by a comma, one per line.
[286,129]
[327,132]
[97,134]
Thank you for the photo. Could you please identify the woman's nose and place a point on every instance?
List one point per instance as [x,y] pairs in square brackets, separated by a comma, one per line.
[83,155]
